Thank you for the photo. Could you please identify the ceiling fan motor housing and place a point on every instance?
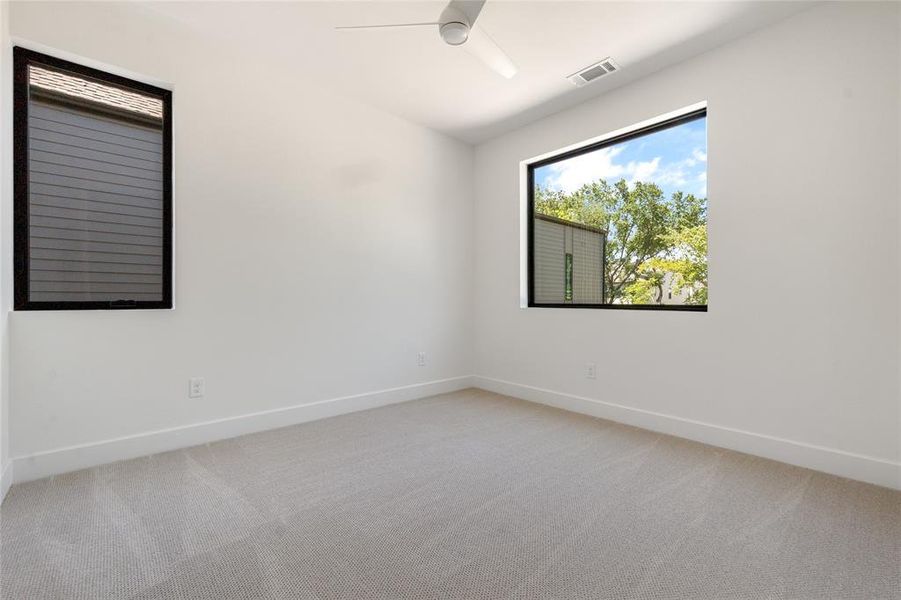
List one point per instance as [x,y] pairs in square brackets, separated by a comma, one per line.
[454,33]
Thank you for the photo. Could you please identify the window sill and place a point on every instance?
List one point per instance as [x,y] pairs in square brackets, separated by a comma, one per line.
[661,307]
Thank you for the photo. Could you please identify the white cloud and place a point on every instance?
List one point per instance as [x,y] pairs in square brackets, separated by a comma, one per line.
[672,175]
[570,175]
[677,174]
[642,171]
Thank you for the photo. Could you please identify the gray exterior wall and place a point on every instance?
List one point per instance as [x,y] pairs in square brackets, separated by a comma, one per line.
[96,207]
[554,239]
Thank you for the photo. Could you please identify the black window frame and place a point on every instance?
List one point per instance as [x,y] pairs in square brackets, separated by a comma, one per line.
[530,212]
[22,59]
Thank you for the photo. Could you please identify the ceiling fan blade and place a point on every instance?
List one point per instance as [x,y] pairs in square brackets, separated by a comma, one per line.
[468,8]
[485,49]
[390,26]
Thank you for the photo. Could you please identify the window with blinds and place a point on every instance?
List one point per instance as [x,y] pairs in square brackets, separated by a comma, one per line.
[93,207]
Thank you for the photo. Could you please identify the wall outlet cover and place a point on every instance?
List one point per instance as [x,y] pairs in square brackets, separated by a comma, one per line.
[196,387]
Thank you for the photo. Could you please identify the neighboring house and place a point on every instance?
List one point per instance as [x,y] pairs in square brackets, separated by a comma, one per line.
[669,295]
[95,95]
[95,191]
[569,262]
[569,265]
[666,294]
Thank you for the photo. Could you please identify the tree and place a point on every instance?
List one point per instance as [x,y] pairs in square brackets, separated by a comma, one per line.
[686,260]
[647,236]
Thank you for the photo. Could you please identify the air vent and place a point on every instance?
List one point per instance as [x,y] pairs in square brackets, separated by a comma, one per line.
[593,72]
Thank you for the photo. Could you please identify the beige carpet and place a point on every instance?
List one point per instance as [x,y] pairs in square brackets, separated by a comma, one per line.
[466,495]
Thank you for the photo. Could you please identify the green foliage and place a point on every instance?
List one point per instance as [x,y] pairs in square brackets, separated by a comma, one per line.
[647,236]
[647,289]
[686,260]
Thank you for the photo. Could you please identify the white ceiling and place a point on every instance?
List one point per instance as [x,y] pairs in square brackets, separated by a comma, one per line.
[413,74]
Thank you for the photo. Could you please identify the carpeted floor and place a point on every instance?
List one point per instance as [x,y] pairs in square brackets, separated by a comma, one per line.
[465,495]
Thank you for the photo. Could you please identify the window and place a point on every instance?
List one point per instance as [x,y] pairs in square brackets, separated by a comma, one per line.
[93,205]
[622,223]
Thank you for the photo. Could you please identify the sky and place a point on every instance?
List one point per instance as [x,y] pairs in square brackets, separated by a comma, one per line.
[675,159]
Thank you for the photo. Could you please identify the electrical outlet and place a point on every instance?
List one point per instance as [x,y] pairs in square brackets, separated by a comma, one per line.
[196,387]
[420,359]
[591,371]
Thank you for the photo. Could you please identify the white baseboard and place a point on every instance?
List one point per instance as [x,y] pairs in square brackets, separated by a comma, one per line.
[73,458]
[829,460]
[63,460]
[6,479]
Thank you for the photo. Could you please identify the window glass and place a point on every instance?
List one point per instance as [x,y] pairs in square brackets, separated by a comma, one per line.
[93,210]
[623,223]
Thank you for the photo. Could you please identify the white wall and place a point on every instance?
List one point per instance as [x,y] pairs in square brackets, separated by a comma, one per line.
[319,245]
[798,355]
[5,240]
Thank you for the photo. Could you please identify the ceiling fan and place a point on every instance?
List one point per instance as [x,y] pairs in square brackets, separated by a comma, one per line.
[457,27]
